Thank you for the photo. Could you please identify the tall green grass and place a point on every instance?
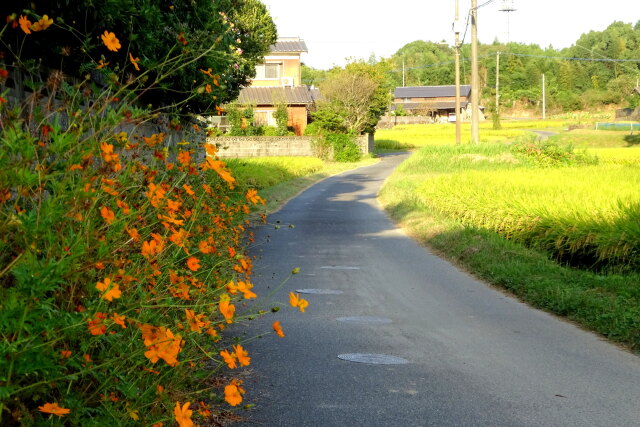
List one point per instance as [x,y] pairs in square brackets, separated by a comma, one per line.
[263,172]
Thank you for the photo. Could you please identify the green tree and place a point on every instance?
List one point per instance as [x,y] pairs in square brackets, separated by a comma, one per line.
[225,37]
[358,94]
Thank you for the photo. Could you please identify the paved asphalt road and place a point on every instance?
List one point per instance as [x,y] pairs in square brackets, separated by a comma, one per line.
[475,356]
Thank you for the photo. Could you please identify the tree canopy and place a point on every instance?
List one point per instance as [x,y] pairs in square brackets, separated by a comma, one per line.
[226,38]
[601,67]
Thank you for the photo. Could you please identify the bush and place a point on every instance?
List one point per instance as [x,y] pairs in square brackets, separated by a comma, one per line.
[344,147]
[226,45]
[548,153]
[121,258]
[312,129]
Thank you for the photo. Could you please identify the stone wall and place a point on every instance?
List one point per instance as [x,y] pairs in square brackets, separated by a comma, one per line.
[270,146]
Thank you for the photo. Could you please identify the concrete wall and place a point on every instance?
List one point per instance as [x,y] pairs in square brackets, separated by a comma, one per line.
[270,146]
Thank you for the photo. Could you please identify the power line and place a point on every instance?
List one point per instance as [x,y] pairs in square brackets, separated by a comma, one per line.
[485,4]
[569,58]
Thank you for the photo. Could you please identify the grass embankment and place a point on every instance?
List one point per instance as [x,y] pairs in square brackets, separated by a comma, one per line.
[509,222]
[280,178]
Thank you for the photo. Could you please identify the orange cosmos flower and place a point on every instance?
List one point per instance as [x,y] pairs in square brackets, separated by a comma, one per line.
[205,247]
[152,248]
[207,88]
[219,110]
[124,206]
[25,24]
[242,355]
[54,409]
[173,205]
[245,288]
[278,329]
[296,301]
[220,167]
[111,41]
[43,23]
[154,139]
[193,263]
[133,233]
[161,344]
[233,393]
[226,308]
[119,320]
[232,288]
[101,64]
[188,189]
[184,157]
[229,359]
[65,353]
[207,73]
[182,39]
[252,196]
[196,322]
[211,149]
[183,414]
[107,214]
[96,327]
[107,152]
[112,291]
[232,251]
[134,61]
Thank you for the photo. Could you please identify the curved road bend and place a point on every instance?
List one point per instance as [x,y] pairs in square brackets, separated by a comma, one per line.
[475,356]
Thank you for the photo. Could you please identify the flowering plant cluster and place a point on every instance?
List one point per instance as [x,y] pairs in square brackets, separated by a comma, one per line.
[121,255]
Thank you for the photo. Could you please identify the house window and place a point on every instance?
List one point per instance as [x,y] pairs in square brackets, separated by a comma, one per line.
[270,70]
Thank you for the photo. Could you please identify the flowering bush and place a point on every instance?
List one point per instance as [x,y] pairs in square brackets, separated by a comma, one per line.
[121,254]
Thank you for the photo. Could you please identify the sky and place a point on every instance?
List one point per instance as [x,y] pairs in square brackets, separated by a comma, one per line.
[335,30]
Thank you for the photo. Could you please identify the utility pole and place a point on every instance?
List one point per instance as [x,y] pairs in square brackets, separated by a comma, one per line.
[456,30]
[544,100]
[475,78]
[498,83]
[403,73]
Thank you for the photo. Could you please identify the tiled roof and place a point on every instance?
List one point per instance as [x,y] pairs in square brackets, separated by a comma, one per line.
[315,94]
[430,91]
[443,105]
[282,46]
[274,95]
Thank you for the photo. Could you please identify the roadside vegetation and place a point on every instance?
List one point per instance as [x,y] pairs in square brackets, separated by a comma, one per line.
[280,178]
[559,227]
[123,272]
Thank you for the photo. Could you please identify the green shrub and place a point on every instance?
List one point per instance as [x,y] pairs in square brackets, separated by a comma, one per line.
[344,147]
[121,253]
[312,129]
[208,35]
[548,153]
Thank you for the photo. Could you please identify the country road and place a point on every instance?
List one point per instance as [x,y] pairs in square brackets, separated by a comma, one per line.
[396,336]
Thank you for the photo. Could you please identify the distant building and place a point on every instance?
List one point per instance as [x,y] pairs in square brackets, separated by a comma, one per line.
[435,101]
[278,80]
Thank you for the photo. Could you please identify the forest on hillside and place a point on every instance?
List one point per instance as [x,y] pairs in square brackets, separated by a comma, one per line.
[600,68]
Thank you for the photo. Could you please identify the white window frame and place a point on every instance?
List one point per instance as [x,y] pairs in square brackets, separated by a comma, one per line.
[261,71]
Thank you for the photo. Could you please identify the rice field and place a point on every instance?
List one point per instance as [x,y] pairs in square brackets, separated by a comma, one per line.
[416,136]
[619,156]
[564,239]
[587,216]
